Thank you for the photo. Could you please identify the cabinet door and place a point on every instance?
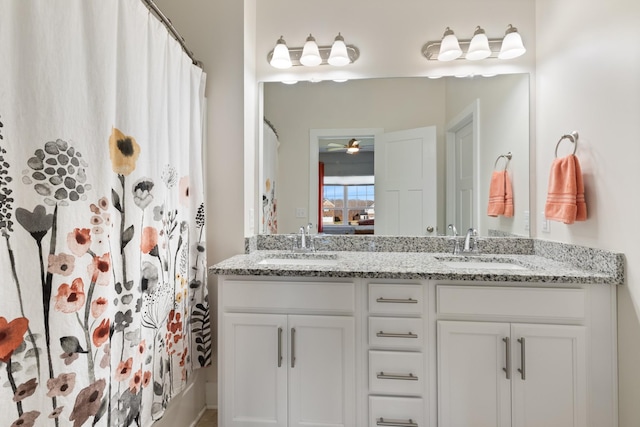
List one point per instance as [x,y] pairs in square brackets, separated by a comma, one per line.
[552,390]
[321,371]
[473,388]
[255,383]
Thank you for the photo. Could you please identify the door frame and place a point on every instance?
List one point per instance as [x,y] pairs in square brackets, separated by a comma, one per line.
[314,142]
[470,114]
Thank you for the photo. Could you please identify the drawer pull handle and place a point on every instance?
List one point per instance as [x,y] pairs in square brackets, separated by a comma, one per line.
[382,334]
[410,377]
[397,301]
[395,423]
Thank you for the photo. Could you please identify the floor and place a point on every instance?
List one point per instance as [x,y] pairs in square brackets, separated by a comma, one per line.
[209,419]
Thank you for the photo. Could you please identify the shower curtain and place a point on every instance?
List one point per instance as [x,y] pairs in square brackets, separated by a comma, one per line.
[103,308]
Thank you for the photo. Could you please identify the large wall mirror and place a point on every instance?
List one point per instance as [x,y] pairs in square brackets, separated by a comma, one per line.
[427,151]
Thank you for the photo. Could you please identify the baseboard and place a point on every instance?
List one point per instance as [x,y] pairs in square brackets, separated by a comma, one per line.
[200,414]
[211,395]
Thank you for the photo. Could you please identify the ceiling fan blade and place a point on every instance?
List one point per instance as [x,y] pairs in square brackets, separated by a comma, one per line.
[335,144]
[336,149]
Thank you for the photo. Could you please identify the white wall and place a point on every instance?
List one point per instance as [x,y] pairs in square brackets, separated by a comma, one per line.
[588,79]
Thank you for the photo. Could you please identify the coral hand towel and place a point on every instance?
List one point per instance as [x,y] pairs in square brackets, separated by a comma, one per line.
[500,195]
[565,196]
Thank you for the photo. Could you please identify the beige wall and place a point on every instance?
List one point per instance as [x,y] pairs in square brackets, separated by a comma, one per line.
[588,70]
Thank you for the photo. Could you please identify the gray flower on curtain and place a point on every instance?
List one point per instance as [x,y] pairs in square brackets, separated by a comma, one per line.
[57,173]
[6,223]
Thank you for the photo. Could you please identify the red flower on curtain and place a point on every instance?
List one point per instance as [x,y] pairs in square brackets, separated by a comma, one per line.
[100,269]
[11,336]
[149,239]
[101,333]
[79,241]
[70,298]
[124,369]
[98,306]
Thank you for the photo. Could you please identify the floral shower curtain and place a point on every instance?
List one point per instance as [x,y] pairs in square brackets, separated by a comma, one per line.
[103,308]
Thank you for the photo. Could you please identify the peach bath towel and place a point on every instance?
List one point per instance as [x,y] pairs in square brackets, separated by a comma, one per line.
[565,197]
[500,195]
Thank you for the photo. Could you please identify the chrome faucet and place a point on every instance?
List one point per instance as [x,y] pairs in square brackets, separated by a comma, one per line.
[456,243]
[306,241]
[471,241]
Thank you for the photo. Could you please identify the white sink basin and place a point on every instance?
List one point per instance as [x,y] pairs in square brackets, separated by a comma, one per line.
[299,261]
[483,265]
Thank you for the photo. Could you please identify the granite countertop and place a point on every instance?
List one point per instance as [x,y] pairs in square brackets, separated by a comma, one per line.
[410,265]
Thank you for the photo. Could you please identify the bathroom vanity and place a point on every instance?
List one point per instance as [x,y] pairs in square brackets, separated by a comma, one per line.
[355,338]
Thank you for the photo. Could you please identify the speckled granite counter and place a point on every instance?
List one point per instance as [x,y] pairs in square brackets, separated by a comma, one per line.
[427,265]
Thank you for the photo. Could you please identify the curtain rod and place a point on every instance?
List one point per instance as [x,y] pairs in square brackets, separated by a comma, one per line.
[176,35]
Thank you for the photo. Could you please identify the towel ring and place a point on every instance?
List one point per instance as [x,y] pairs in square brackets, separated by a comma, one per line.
[507,157]
[573,137]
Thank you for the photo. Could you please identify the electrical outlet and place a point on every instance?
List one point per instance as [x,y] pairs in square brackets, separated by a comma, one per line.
[301,213]
[546,224]
[526,221]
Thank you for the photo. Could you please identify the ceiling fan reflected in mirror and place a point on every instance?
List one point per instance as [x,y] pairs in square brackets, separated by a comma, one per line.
[353,146]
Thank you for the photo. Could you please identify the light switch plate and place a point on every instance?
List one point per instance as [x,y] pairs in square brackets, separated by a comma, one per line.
[301,213]
[546,224]
[526,221]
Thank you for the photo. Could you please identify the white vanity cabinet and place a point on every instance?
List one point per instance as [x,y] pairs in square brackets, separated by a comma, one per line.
[492,373]
[287,354]
[356,352]
[530,368]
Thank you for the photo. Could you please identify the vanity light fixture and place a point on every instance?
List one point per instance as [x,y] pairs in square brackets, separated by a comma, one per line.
[479,47]
[310,55]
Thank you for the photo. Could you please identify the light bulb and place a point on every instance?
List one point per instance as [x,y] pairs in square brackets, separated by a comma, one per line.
[339,56]
[449,47]
[280,58]
[479,46]
[512,46]
[310,53]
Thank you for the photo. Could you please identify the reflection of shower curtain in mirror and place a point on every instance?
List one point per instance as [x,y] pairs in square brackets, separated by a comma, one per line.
[269,214]
[104,311]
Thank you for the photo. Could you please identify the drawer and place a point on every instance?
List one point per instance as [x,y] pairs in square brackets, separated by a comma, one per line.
[396,411]
[396,299]
[298,295]
[396,332]
[396,372]
[557,303]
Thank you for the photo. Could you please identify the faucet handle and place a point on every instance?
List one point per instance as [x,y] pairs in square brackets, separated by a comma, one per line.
[453,229]
[456,245]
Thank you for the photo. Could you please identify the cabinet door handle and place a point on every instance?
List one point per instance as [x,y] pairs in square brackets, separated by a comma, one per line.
[410,377]
[395,423]
[507,362]
[397,301]
[279,347]
[382,334]
[293,347]
[523,370]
